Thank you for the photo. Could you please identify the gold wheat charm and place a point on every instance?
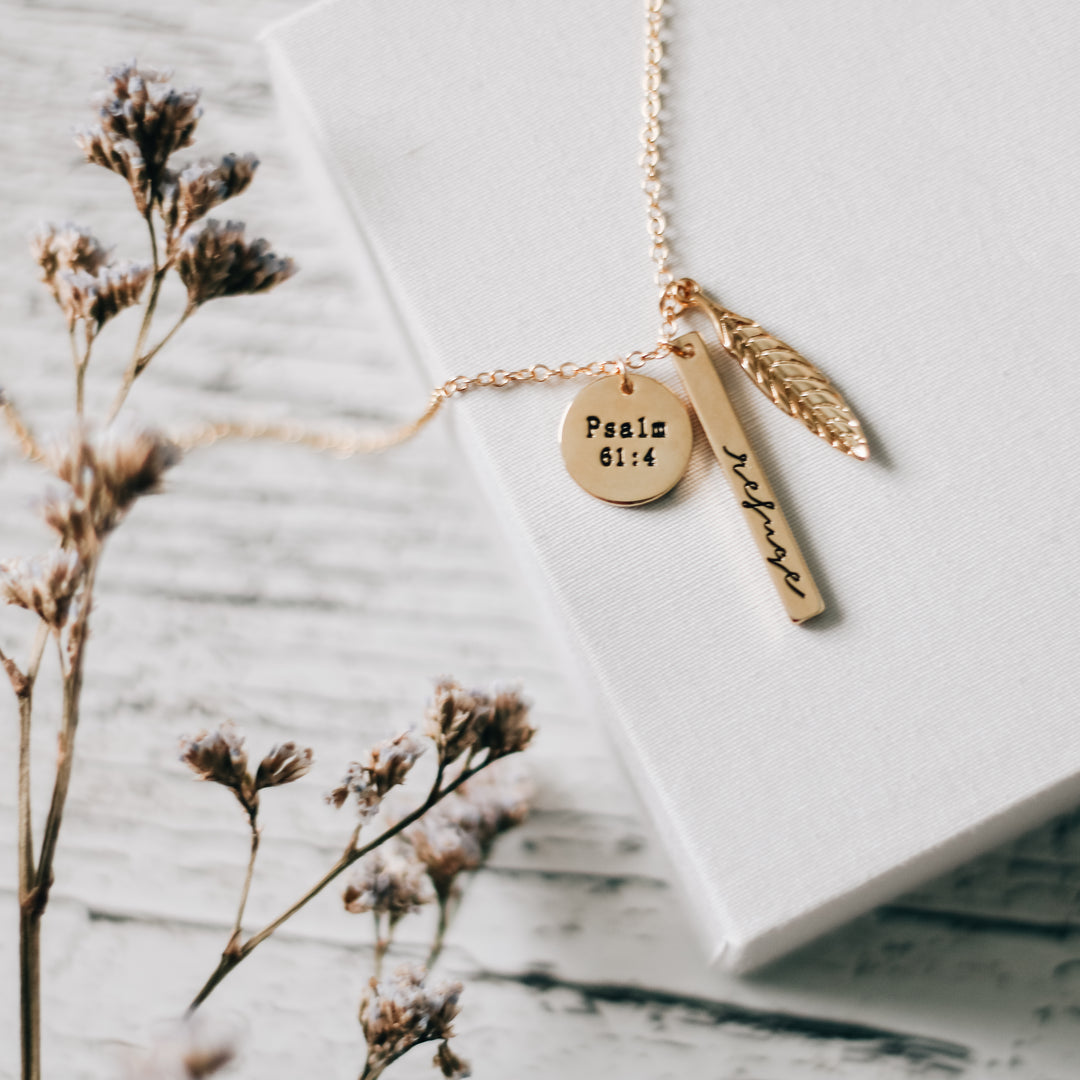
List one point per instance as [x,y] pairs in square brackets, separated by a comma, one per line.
[786,378]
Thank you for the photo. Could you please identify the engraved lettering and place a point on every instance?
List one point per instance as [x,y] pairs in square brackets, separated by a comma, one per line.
[642,433]
[759,506]
[659,429]
[594,425]
[626,430]
[609,430]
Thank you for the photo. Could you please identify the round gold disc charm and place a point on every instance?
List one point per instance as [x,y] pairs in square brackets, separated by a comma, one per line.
[626,448]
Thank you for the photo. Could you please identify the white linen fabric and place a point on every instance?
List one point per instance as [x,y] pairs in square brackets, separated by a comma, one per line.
[890,187]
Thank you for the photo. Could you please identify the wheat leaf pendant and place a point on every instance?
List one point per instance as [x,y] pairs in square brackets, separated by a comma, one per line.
[786,378]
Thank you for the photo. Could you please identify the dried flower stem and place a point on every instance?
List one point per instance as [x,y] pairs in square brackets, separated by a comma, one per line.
[80,370]
[231,957]
[237,926]
[440,932]
[34,883]
[72,679]
[138,361]
[151,353]
[29,926]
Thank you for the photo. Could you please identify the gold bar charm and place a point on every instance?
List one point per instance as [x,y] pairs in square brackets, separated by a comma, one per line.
[762,512]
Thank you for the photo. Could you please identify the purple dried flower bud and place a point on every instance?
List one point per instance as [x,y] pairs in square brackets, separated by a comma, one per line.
[446,841]
[451,719]
[398,1016]
[215,259]
[45,585]
[189,195]
[470,721]
[391,885]
[67,247]
[96,298]
[103,477]
[145,109]
[456,835]
[284,764]
[121,156]
[507,729]
[498,799]
[219,757]
[387,765]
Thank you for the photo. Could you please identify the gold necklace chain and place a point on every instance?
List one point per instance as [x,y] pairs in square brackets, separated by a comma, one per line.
[673,299]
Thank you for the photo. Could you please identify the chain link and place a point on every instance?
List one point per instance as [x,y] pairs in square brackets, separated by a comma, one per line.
[347,443]
[650,141]
[674,298]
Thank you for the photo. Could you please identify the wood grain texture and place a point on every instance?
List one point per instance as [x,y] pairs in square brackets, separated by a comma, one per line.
[312,598]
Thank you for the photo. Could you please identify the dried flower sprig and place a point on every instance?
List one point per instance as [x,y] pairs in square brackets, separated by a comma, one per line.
[399,1015]
[143,120]
[454,836]
[220,758]
[387,764]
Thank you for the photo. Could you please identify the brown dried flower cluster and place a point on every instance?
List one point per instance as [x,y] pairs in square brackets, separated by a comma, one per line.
[96,298]
[85,282]
[457,834]
[391,885]
[219,756]
[216,260]
[498,800]
[45,585]
[386,766]
[399,1015]
[471,722]
[285,763]
[143,120]
[69,247]
[189,195]
[103,477]
[445,845]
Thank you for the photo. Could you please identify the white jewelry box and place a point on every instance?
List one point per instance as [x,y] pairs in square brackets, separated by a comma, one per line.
[891,189]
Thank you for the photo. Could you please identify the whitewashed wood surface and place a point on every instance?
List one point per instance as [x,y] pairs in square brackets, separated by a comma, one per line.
[313,598]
